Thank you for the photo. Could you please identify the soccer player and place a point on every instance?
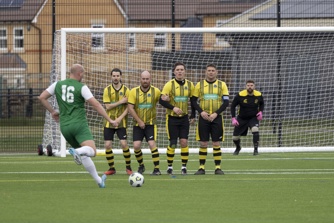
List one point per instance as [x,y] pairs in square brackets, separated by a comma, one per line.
[213,99]
[71,95]
[251,105]
[174,97]
[115,99]
[142,103]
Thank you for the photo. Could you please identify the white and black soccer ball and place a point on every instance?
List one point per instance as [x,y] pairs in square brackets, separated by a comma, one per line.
[136,179]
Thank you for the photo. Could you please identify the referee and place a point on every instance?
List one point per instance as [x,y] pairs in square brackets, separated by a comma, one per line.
[251,104]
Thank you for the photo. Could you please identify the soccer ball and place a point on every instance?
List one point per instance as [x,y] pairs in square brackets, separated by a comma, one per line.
[136,179]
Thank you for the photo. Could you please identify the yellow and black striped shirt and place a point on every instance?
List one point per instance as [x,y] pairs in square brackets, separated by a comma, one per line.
[111,95]
[179,95]
[145,104]
[210,95]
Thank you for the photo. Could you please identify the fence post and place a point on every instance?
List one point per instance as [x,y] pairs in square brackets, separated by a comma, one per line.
[29,108]
[8,103]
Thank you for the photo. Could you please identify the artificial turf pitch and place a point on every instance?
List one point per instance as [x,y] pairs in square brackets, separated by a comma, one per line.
[272,187]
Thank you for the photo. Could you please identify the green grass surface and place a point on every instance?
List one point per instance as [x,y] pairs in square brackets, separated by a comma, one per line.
[272,187]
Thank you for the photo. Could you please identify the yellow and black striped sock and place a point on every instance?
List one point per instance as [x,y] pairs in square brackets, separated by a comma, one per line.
[203,152]
[184,156]
[127,156]
[170,155]
[110,158]
[155,157]
[139,156]
[217,156]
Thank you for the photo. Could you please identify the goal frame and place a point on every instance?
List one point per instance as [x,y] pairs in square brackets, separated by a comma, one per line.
[63,68]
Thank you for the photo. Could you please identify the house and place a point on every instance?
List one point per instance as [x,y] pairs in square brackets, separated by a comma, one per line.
[282,66]
[26,28]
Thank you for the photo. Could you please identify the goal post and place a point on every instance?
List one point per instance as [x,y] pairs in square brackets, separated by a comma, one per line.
[292,66]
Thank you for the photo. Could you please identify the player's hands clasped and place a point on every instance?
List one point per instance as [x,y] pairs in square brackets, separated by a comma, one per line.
[177,111]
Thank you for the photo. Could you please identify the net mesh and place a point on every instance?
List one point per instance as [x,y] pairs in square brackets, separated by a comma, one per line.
[293,70]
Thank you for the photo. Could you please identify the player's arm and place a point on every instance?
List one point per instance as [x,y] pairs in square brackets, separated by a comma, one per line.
[193,111]
[110,106]
[120,118]
[164,97]
[195,105]
[224,105]
[44,96]
[261,104]
[88,96]
[164,103]
[233,106]
[134,114]
[98,107]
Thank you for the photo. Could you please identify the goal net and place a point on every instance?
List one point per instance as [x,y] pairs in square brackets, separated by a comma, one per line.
[292,67]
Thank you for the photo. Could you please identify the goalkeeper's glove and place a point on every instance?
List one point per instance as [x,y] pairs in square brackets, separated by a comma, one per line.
[235,122]
[259,115]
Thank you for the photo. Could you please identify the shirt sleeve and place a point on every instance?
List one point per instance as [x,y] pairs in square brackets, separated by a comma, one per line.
[51,89]
[195,92]
[106,98]
[86,93]
[166,89]
[132,97]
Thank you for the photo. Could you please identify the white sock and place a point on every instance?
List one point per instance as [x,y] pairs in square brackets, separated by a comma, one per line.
[89,165]
[86,151]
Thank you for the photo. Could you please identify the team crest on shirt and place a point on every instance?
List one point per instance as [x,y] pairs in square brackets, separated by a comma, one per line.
[120,93]
[245,101]
[256,101]
[215,85]
[148,95]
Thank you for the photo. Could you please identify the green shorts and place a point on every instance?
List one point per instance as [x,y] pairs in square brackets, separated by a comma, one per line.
[75,134]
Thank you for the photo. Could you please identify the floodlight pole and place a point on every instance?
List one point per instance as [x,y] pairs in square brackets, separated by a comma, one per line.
[53,21]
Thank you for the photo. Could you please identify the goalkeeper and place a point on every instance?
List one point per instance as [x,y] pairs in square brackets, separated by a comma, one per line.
[251,104]
[71,95]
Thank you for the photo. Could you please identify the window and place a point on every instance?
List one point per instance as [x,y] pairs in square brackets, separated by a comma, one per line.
[18,39]
[131,41]
[221,40]
[160,41]
[3,39]
[97,38]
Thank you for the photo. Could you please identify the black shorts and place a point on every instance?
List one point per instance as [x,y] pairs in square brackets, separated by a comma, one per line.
[149,132]
[177,127]
[110,132]
[244,125]
[205,129]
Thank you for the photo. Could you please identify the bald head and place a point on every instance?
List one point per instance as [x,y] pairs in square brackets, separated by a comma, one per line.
[77,71]
[145,80]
